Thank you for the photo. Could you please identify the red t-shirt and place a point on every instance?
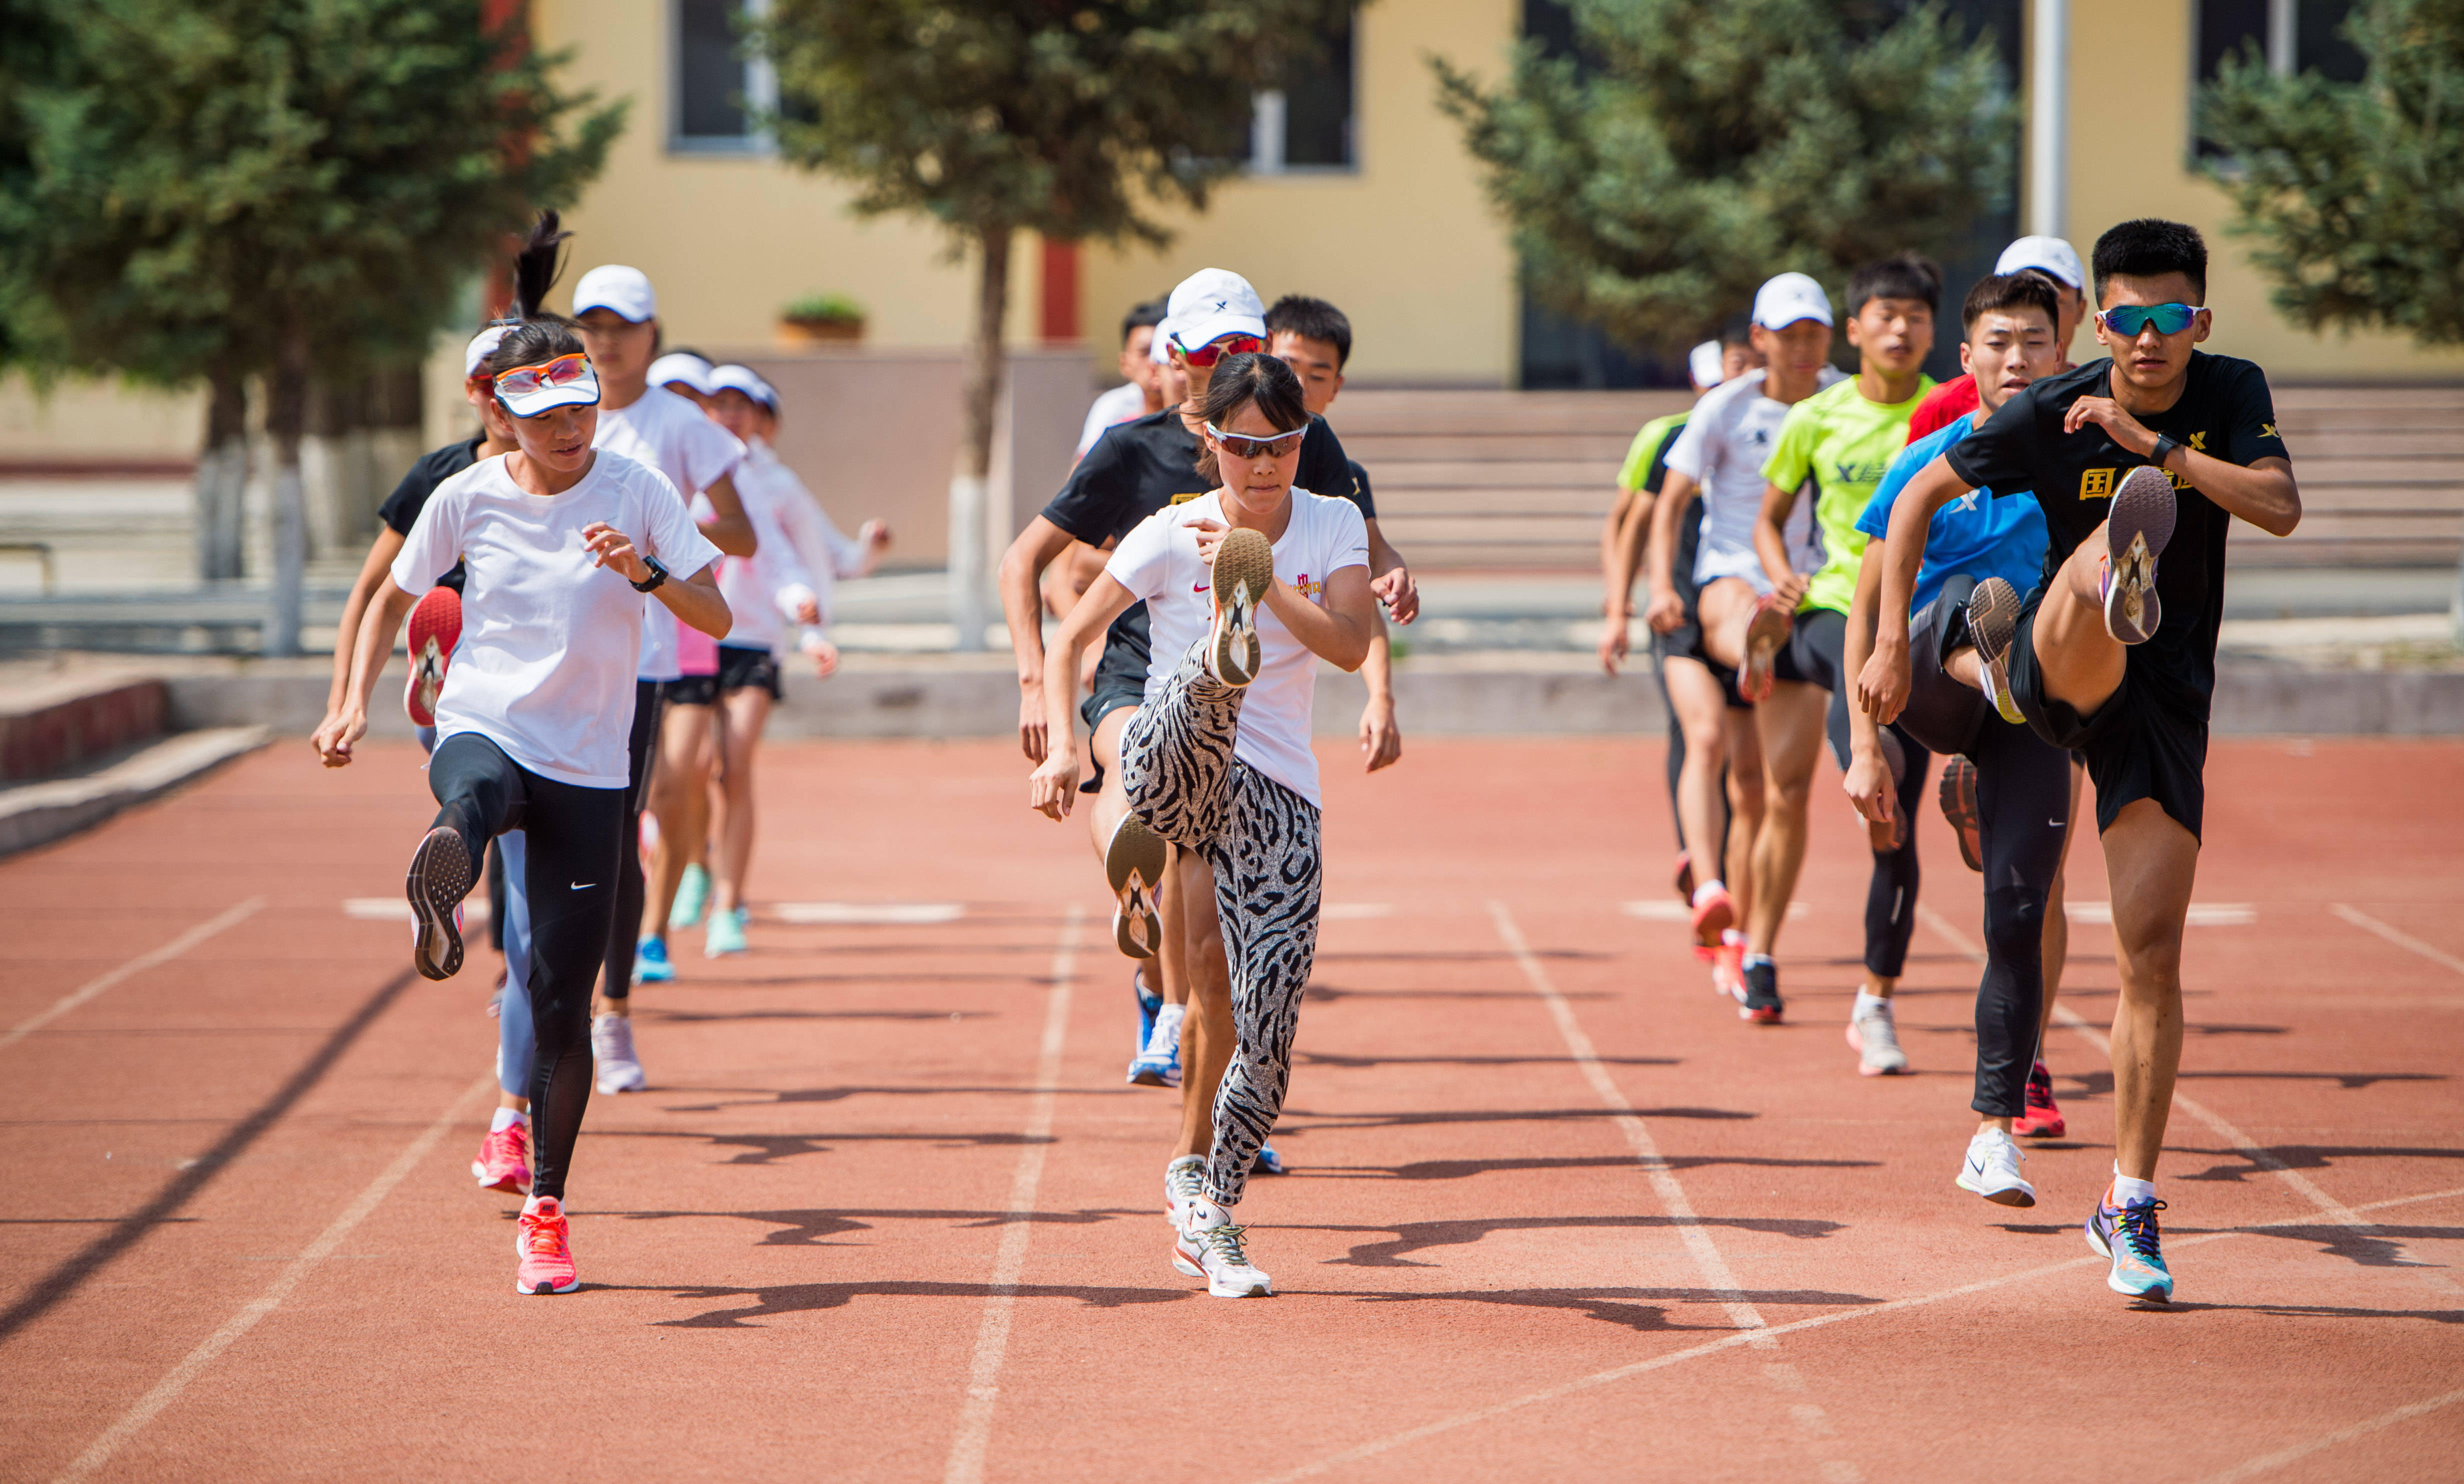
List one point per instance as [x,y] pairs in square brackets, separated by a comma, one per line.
[1943,406]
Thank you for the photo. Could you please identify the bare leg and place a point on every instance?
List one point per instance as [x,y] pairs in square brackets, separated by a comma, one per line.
[1745,785]
[679,797]
[1207,1035]
[2150,863]
[1701,716]
[1790,723]
[2082,665]
[742,714]
[1111,803]
[1724,609]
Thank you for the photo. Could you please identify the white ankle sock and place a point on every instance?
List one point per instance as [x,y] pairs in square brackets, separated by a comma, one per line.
[1753,959]
[1714,887]
[507,1118]
[2128,1191]
[1867,1003]
[1166,1033]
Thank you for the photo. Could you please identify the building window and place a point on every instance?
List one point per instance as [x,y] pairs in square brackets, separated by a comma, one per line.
[2293,35]
[719,91]
[1309,122]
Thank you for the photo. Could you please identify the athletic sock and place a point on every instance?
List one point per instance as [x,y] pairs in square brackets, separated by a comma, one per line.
[2127,1191]
[507,1118]
[1730,938]
[1714,887]
[1867,1004]
[1757,960]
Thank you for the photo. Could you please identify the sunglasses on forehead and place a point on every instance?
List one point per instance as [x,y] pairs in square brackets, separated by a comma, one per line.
[1213,351]
[1240,446]
[2130,319]
[546,376]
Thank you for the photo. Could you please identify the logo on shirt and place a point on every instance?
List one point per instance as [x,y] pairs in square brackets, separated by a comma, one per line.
[1306,588]
[2199,442]
[2268,431]
[1968,502]
[2097,484]
[1859,473]
[1183,499]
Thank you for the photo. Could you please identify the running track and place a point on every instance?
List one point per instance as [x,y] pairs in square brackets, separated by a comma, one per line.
[890,1212]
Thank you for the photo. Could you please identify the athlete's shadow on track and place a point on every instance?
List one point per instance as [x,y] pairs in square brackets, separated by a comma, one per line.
[2099,1084]
[1423,1235]
[765,1148]
[1623,1307]
[810,1297]
[1318,1058]
[2378,1245]
[1327,993]
[1325,1122]
[1460,1170]
[814,1227]
[2319,1311]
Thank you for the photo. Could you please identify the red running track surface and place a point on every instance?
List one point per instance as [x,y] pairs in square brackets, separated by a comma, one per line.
[890,1211]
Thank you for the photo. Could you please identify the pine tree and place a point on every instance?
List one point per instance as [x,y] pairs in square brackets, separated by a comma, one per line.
[2354,192]
[1009,116]
[1693,148]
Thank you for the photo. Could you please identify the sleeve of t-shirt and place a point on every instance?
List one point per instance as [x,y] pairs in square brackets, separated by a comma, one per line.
[1685,454]
[1348,544]
[2250,427]
[1656,476]
[1090,504]
[1325,469]
[1638,456]
[1792,455]
[711,454]
[2002,454]
[1096,423]
[432,544]
[675,539]
[1876,518]
[1942,406]
[1139,561]
[1366,502]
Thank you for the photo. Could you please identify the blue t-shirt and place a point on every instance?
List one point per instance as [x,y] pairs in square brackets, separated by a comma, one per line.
[1975,533]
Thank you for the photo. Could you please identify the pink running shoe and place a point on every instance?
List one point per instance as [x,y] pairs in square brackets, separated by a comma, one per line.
[545,1246]
[435,628]
[504,1162]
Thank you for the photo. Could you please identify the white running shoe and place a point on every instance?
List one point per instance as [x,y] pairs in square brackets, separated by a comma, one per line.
[1875,1038]
[1992,1169]
[612,1046]
[1185,1180]
[1212,1248]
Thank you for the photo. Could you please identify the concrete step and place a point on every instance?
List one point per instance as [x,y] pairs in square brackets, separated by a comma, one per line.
[48,729]
[36,813]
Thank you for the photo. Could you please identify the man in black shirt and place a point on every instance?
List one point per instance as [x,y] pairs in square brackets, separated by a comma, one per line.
[2155,448]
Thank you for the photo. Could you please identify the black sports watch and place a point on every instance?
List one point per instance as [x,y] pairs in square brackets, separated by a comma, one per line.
[2165,444]
[658,575]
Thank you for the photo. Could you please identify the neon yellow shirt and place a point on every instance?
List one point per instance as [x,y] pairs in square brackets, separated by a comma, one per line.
[1842,445]
[1648,445]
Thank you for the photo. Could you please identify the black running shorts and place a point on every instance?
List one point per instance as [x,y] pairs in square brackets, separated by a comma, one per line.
[2141,743]
[1120,681]
[691,690]
[740,666]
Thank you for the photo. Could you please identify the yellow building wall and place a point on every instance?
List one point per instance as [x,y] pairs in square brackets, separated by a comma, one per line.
[2131,77]
[1405,245]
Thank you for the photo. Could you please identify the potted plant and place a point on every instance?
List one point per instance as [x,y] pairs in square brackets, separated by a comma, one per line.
[821,316]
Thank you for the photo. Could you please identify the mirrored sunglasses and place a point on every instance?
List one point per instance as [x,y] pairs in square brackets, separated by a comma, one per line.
[563,371]
[2131,318]
[1242,447]
[1213,351]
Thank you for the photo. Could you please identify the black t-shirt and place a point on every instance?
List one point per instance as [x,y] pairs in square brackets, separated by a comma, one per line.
[2224,411]
[400,509]
[1360,495]
[1140,467]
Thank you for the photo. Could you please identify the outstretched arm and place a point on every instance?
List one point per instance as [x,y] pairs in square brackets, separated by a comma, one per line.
[1026,559]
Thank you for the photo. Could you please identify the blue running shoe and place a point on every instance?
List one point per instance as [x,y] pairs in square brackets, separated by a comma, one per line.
[2127,1235]
[650,964]
[724,933]
[1148,1002]
[1270,1162]
[1157,1063]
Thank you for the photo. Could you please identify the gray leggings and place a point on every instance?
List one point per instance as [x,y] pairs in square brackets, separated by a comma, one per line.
[517,1042]
[1262,839]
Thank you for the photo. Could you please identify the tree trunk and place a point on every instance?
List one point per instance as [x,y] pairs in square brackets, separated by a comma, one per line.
[222,474]
[286,419]
[969,495]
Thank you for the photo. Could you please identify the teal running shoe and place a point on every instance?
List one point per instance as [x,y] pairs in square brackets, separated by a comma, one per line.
[692,894]
[2127,1235]
[650,964]
[725,934]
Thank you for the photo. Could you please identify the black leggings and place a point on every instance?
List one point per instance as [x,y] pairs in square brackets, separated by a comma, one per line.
[642,751]
[1819,645]
[2023,800]
[570,883]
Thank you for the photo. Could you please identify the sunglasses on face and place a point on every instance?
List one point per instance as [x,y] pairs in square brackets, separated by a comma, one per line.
[563,371]
[1242,447]
[1213,351]
[2131,318]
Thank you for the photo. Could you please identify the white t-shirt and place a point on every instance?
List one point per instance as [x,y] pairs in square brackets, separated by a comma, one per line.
[1122,403]
[549,642]
[1159,562]
[671,435]
[1722,447]
[802,553]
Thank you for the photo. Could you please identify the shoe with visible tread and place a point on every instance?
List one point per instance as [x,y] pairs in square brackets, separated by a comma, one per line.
[1958,796]
[1765,632]
[2137,525]
[439,879]
[435,628]
[1133,864]
[1213,1248]
[1993,622]
[2127,1235]
[504,1162]
[2043,1119]
[1713,917]
[1991,1169]
[1875,1038]
[1245,568]
[1762,1002]
[543,1242]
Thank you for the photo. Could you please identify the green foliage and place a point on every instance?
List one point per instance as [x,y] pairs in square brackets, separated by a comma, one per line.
[1716,142]
[829,308]
[1004,114]
[208,183]
[2354,192]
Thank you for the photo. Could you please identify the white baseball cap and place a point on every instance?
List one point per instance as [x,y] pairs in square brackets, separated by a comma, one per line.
[745,380]
[682,367]
[613,286]
[1703,363]
[1212,303]
[474,355]
[2049,254]
[1789,299]
[1159,349]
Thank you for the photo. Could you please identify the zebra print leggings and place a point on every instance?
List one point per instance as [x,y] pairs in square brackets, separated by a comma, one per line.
[1262,839]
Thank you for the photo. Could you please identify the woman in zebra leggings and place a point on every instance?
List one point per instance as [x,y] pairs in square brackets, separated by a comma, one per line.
[1247,587]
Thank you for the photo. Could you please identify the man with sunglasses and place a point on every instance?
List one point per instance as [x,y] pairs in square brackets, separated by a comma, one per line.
[2155,448]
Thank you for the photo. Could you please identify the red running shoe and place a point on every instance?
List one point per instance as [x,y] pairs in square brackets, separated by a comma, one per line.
[1728,963]
[504,1162]
[1765,632]
[1716,914]
[2042,1119]
[545,1244]
[435,628]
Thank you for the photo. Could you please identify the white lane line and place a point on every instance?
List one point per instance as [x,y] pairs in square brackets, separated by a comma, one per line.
[2397,936]
[230,918]
[1638,1135]
[177,1380]
[1598,1379]
[865,914]
[967,1450]
[2271,1462]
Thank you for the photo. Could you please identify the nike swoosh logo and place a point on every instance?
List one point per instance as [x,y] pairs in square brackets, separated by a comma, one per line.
[1979,1168]
[583,885]
[1200,587]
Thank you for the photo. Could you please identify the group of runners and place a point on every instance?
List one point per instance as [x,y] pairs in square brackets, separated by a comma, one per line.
[1898,569]
[1971,570]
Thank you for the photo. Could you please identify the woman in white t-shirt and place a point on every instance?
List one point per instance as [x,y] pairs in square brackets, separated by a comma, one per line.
[560,540]
[1247,588]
